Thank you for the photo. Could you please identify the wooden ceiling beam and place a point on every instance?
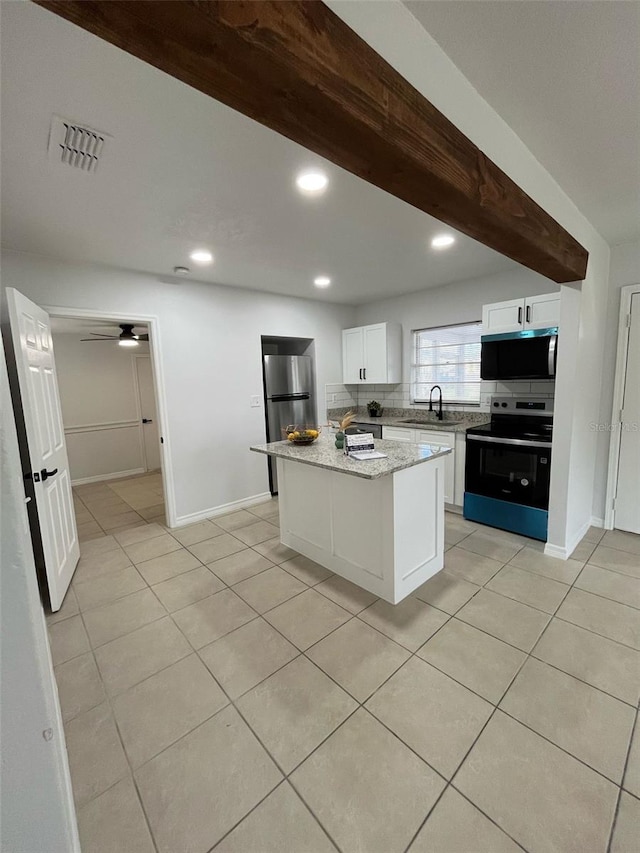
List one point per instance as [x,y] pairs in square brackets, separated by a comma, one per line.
[296,67]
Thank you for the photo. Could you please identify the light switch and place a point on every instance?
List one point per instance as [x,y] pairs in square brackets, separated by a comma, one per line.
[255,401]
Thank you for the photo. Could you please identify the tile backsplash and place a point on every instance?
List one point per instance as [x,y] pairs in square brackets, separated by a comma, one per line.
[399,396]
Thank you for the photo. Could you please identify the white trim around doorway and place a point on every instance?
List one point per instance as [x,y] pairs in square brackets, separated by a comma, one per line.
[153,324]
[626,294]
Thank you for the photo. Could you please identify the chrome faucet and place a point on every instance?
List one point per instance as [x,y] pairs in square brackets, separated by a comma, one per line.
[439,414]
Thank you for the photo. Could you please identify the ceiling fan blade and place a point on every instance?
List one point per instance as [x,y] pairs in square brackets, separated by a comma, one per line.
[100,340]
[99,335]
[142,337]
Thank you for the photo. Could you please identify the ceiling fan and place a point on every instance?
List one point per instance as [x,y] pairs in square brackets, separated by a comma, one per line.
[126,338]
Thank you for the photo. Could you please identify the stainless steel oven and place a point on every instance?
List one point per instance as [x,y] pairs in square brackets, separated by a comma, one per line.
[531,354]
[508,467]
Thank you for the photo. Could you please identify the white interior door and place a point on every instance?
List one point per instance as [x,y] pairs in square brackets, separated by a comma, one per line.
[31,335]
[148,413]
[627,506]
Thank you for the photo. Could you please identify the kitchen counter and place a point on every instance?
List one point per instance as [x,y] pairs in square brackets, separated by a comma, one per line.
[461,424]
[378,523]
[323,454]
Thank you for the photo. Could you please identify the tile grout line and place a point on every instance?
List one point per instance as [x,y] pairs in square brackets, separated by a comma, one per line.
[616,810]
[126,756]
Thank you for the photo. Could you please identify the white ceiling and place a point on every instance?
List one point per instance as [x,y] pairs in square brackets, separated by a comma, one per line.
[183,171]
[565,75]
[80,326]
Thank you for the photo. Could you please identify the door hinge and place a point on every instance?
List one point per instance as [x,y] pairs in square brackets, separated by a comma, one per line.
[161,440]
[628,321]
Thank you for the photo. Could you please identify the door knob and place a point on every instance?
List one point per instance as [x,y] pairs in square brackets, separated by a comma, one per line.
[46,474]
[147,420]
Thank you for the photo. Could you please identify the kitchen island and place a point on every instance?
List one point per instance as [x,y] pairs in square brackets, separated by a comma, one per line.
[378,522]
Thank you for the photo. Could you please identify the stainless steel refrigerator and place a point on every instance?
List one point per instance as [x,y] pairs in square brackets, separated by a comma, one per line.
[288,388]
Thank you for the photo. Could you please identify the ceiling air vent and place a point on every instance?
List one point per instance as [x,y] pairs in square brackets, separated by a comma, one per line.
[75,144]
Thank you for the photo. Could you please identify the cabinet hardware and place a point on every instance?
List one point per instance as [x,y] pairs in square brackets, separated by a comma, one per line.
[520,316]
[528,313]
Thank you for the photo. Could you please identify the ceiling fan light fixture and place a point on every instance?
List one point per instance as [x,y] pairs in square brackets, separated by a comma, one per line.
[127,342]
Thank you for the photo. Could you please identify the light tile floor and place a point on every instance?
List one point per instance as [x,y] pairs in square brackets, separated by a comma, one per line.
[222,693]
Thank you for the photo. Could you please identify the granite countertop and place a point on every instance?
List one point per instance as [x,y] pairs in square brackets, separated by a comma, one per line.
[324,454]
[461,423]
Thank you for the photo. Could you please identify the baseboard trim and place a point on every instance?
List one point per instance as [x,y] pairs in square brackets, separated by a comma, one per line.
[597,522]
[83,481]
[563,553]
[222,509]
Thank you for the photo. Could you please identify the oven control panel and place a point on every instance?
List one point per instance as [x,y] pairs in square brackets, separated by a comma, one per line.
[521,406]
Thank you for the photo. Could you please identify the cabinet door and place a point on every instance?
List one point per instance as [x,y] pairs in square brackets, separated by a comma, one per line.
[503,317]
[397,433]
[542,311]
[442,439]
[375,353]
[352,356]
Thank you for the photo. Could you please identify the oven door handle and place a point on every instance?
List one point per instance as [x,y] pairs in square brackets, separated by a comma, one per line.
[551,359]
[520,442]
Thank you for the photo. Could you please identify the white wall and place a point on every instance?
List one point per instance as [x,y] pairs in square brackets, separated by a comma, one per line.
[210,359]
[99,399]
[37,811]
[395,35]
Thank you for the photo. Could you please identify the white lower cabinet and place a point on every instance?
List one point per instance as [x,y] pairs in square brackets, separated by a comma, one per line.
[437,438]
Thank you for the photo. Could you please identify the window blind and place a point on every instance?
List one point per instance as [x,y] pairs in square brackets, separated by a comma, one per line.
[448,356]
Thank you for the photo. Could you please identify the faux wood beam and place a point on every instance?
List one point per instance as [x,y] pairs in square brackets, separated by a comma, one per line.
[296,67]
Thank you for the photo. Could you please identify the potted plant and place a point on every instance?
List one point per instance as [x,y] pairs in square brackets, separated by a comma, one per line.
[374,408]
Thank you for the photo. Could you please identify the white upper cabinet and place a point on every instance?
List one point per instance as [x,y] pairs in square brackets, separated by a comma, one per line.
[542,311]
[502,316]
[372,354]
[352,356]
[515,315]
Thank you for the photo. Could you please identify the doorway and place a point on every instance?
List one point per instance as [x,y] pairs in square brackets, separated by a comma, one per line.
[623,498]
[109,414]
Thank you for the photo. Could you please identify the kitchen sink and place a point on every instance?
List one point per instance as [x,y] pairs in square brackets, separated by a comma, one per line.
[427,424]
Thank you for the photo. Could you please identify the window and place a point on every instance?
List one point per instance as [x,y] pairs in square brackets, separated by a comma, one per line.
[448,357]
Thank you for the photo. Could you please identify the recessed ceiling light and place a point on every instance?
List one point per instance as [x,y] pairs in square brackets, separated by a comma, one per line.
[442,241]
[322,281]
[312,182]
[201,256]
[181,270]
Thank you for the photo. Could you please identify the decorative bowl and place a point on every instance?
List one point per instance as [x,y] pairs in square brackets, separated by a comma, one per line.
[300,434]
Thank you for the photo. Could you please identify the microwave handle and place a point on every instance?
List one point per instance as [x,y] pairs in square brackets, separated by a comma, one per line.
[551,361]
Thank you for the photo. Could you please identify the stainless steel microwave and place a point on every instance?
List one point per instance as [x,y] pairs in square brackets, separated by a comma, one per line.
[529,354]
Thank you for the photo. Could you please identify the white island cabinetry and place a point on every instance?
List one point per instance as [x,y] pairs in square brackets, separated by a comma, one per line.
[377,523]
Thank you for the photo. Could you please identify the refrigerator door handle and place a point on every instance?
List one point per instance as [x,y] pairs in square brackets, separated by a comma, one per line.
[285,398]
